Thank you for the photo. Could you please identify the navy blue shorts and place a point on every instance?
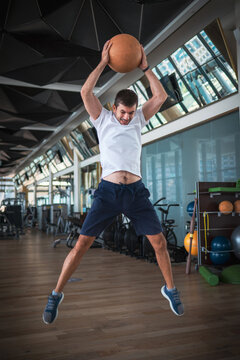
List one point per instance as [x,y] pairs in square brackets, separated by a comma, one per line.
[112,199]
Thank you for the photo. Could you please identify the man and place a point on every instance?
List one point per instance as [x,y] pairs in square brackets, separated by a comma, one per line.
[121,189]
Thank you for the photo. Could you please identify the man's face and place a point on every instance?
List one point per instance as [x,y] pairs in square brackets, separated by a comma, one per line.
[124,114]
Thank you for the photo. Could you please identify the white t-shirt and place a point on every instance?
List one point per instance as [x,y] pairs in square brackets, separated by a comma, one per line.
[120,145]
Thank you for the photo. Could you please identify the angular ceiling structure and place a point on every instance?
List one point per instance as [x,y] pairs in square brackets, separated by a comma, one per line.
[47,50]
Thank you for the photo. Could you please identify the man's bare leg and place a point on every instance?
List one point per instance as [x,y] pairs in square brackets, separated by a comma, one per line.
[169,291]
[73,259]
[159,244]
[69,266]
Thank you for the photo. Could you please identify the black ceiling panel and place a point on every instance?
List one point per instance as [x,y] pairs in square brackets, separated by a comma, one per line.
[9,61]
[21,12]
[8,136]
[85,26]
[65,28]
[51,7]
[13,121]
[161,14]
[104,21]
[129,24]
[46,72]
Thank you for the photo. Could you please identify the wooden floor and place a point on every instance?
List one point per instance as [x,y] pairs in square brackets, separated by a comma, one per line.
[115,312]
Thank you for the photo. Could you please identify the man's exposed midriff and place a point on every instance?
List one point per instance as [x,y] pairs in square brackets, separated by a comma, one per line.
[123,177]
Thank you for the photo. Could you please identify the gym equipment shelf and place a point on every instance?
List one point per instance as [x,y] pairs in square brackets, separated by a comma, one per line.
[219,229]
[220,193]
[219,224]
[219,213]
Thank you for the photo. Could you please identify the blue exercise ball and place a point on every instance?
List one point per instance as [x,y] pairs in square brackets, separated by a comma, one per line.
[218,244]
[190,208]
[219,258]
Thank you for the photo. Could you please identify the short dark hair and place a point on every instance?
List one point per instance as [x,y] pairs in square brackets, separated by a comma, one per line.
[126,97]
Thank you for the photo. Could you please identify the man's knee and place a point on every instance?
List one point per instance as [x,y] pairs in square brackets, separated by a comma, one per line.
[84,241]
[158,242]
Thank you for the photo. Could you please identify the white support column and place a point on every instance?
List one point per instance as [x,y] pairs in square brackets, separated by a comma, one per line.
[35,193]
[50,187]
[77,182]
[50,194]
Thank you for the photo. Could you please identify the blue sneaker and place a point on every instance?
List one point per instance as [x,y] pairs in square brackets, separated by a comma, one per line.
[51,310]
[174,300]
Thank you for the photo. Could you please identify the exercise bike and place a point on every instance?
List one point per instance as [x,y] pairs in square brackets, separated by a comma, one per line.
[167,224]
[177,253]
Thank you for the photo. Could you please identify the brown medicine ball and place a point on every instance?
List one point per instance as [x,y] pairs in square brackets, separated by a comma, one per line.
[225,207]
[125,53]
[237,206]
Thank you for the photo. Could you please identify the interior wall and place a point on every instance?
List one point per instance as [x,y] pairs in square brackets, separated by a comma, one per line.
[172,166]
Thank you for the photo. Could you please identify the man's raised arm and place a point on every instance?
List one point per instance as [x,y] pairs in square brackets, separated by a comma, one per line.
[159,95]
[91,102]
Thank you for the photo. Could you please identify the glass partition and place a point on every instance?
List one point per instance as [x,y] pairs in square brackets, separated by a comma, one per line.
[172,166]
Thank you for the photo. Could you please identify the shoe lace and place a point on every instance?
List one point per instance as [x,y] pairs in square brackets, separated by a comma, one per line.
[176,297]
[51,303]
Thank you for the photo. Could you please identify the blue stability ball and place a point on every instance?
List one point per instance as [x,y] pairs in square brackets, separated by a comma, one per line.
[219,258]
[220,243]
[190,208]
